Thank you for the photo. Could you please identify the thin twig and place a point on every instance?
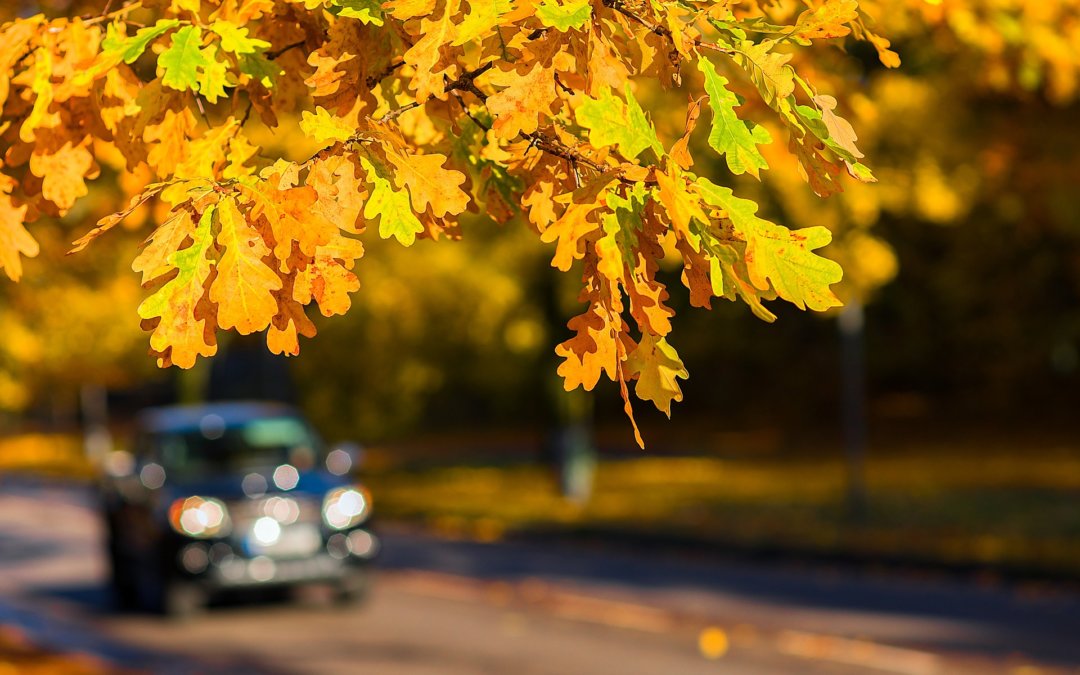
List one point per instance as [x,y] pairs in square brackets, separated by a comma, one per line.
[465,109]
[397,112]
[373,80]
[278,52]
[106,15]
[463,83]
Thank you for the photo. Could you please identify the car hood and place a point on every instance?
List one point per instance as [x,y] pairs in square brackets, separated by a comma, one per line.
[229,487]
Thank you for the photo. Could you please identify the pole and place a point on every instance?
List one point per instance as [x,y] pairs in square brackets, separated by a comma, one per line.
[853,376]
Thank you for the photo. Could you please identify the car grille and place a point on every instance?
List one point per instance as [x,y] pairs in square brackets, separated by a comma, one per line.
[277,526]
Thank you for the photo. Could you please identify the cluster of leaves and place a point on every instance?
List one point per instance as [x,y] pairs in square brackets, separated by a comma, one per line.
[422,111]
[1003,44]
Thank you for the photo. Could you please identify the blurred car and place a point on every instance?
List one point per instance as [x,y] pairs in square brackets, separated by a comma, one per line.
[230,496]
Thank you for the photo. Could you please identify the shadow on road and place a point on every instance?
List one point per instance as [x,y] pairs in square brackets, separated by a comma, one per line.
[935,614]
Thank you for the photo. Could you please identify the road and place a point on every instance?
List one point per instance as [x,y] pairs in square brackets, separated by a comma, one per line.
[453,607]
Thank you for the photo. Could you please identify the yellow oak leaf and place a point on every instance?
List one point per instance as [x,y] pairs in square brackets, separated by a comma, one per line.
[323,127]
[244,286]
[14,43]
[204,158]
[426,56]
[168,140]
[340,184]
[681,204]
[43,97]
[63,165]
[14,239]
[409,9]
[589,353]
[656,366]
[827,20]
[152,261]
[429,183]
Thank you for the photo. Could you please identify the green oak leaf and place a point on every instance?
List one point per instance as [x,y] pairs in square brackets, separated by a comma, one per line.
[483,16]
[732,137]
[184,61]
[610,121]
[235,39]
[621,226]
[323,127]
[396,217]
[130,48]
[215,78]
[193,268]
[563,16]
[777,254]
[366,11]
[768,70]
[260,69]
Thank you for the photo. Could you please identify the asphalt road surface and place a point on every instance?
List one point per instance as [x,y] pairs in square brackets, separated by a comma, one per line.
[451,607]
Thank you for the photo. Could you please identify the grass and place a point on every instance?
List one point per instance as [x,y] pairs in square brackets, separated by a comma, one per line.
[58,455]
[993,508]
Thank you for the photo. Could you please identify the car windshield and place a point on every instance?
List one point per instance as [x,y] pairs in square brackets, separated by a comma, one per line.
[215,447]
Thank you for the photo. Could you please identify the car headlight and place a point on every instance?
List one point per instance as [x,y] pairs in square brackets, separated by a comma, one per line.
[199,517]
[345,507]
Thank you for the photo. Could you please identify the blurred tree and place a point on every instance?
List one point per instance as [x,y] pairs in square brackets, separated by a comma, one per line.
[948,147]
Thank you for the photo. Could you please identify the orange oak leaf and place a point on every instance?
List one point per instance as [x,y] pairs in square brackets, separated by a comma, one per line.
[288,324]
[327,279]
[576,223]
[524,102]
[290,216]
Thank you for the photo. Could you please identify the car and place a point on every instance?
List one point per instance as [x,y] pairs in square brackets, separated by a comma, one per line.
[230,496]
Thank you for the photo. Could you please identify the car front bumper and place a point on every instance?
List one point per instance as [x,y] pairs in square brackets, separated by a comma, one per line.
[223,566]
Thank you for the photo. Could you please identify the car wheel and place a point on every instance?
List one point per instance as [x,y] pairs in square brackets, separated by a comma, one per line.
[122,583]
[122,587]
[354,587]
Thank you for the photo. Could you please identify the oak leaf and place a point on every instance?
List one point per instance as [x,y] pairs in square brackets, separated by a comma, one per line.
[391,207]
[244,285]
[14,239]
[182,332]
[429,183]
[779,255]
[731,136]
[526,99]
[657,367]
[610,121]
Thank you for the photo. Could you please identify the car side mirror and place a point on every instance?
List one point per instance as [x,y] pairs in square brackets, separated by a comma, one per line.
[344,458]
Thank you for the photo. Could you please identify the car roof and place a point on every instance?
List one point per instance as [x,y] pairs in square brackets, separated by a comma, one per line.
[182,417]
